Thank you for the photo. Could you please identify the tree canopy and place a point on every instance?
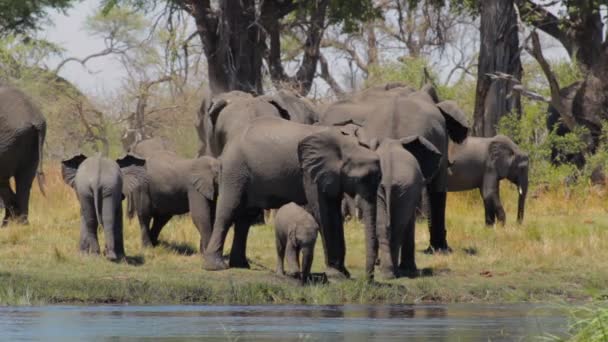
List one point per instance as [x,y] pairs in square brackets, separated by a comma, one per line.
[24,16]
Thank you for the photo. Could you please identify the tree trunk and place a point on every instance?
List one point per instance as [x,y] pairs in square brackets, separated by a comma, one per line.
[231,42]
[499,53]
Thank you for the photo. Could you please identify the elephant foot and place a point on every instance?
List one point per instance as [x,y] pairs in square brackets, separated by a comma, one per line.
[337,273]
[112,256]
[214,263]
[435,250]
[408,272]
[387,273]
[239,263]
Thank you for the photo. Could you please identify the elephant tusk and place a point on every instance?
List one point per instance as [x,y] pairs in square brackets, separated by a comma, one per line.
[521,192]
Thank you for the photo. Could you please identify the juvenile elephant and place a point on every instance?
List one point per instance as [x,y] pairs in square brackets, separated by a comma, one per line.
[406,166]
[174,186]
[22,134]
[274,162]
[100,185]
[296,232]
[397,111]
[480,163]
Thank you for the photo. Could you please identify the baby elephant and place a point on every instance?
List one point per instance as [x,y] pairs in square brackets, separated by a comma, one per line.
[480,163]
[296,231]
[100,183]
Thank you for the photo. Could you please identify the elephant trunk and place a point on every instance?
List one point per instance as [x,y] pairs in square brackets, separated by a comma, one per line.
[369,211]
[522,188]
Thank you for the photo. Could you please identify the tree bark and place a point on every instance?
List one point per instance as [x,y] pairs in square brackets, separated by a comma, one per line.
[499,53]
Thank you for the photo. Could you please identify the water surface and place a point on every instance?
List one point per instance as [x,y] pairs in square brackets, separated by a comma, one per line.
[458,322]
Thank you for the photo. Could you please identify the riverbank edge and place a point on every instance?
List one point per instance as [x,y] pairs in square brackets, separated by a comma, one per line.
[242,287]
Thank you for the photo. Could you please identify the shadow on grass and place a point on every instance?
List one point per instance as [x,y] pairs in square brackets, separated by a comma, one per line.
[181,248]
[470,251]
[135,260]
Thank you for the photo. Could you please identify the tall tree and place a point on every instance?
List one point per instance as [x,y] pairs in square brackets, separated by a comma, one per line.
[499,53]
[239,35]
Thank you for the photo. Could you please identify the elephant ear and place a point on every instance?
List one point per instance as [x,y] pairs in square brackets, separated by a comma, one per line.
[501,155]
[455,120]
[69,168]
[215,108]
[320,157]
[428,156]
[133,171]
[279,103]
[204,176]
[431,92]
[353,128]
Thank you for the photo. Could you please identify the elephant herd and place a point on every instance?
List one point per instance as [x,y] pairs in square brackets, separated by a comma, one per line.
[381,149]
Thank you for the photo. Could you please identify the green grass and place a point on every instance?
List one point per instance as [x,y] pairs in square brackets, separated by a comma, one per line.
[559,254]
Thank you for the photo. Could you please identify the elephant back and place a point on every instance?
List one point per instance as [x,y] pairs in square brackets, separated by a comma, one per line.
[17,111]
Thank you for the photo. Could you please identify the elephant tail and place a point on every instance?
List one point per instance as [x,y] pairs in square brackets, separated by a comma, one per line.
[96,198]
[130,206]
[40,173]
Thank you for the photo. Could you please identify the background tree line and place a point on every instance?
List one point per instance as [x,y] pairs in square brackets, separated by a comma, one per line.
[488,55]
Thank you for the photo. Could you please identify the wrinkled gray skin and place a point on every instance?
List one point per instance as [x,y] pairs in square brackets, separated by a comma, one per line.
[224,116]
[22,134]
[294,107]
[275,162]
[480,163]
[100,185]
[175,186]
[296,233]
[396,111]
[406,165]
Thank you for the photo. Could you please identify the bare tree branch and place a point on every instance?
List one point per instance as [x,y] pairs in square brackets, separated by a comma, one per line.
[327,77]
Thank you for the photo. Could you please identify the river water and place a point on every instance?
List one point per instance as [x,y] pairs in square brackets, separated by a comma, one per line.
[454,322]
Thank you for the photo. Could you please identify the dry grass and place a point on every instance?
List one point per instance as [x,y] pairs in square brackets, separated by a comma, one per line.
[560,253]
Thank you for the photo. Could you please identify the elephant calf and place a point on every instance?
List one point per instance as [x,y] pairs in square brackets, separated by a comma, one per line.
[407,164]
[100,184]
[296,231]
[480,163]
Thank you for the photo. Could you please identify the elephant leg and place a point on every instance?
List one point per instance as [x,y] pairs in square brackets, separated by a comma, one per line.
[280,254]
[23,186]
[227,208]
[293,263]
[201,212]
[144,225]
[439,243]
[88,226]
[490,212]
[238,253]
[407,266]
[8,197]
[383,227]
[158,222]
[111,217]
[308,252]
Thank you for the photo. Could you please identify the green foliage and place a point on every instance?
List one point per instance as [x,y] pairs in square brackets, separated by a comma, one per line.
[24,16]
[351,13]
[590,324]
[409,71]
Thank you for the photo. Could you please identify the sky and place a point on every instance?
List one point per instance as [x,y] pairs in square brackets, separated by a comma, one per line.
[68,31]
[105,73]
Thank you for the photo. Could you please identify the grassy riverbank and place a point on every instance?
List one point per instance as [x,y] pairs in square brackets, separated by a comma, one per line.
[559,254]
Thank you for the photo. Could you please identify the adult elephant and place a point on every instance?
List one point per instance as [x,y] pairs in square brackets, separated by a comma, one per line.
[480,163]
[174,186]
[274,162]
[397,111]
[22,134]
[225,115]
[293,106]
